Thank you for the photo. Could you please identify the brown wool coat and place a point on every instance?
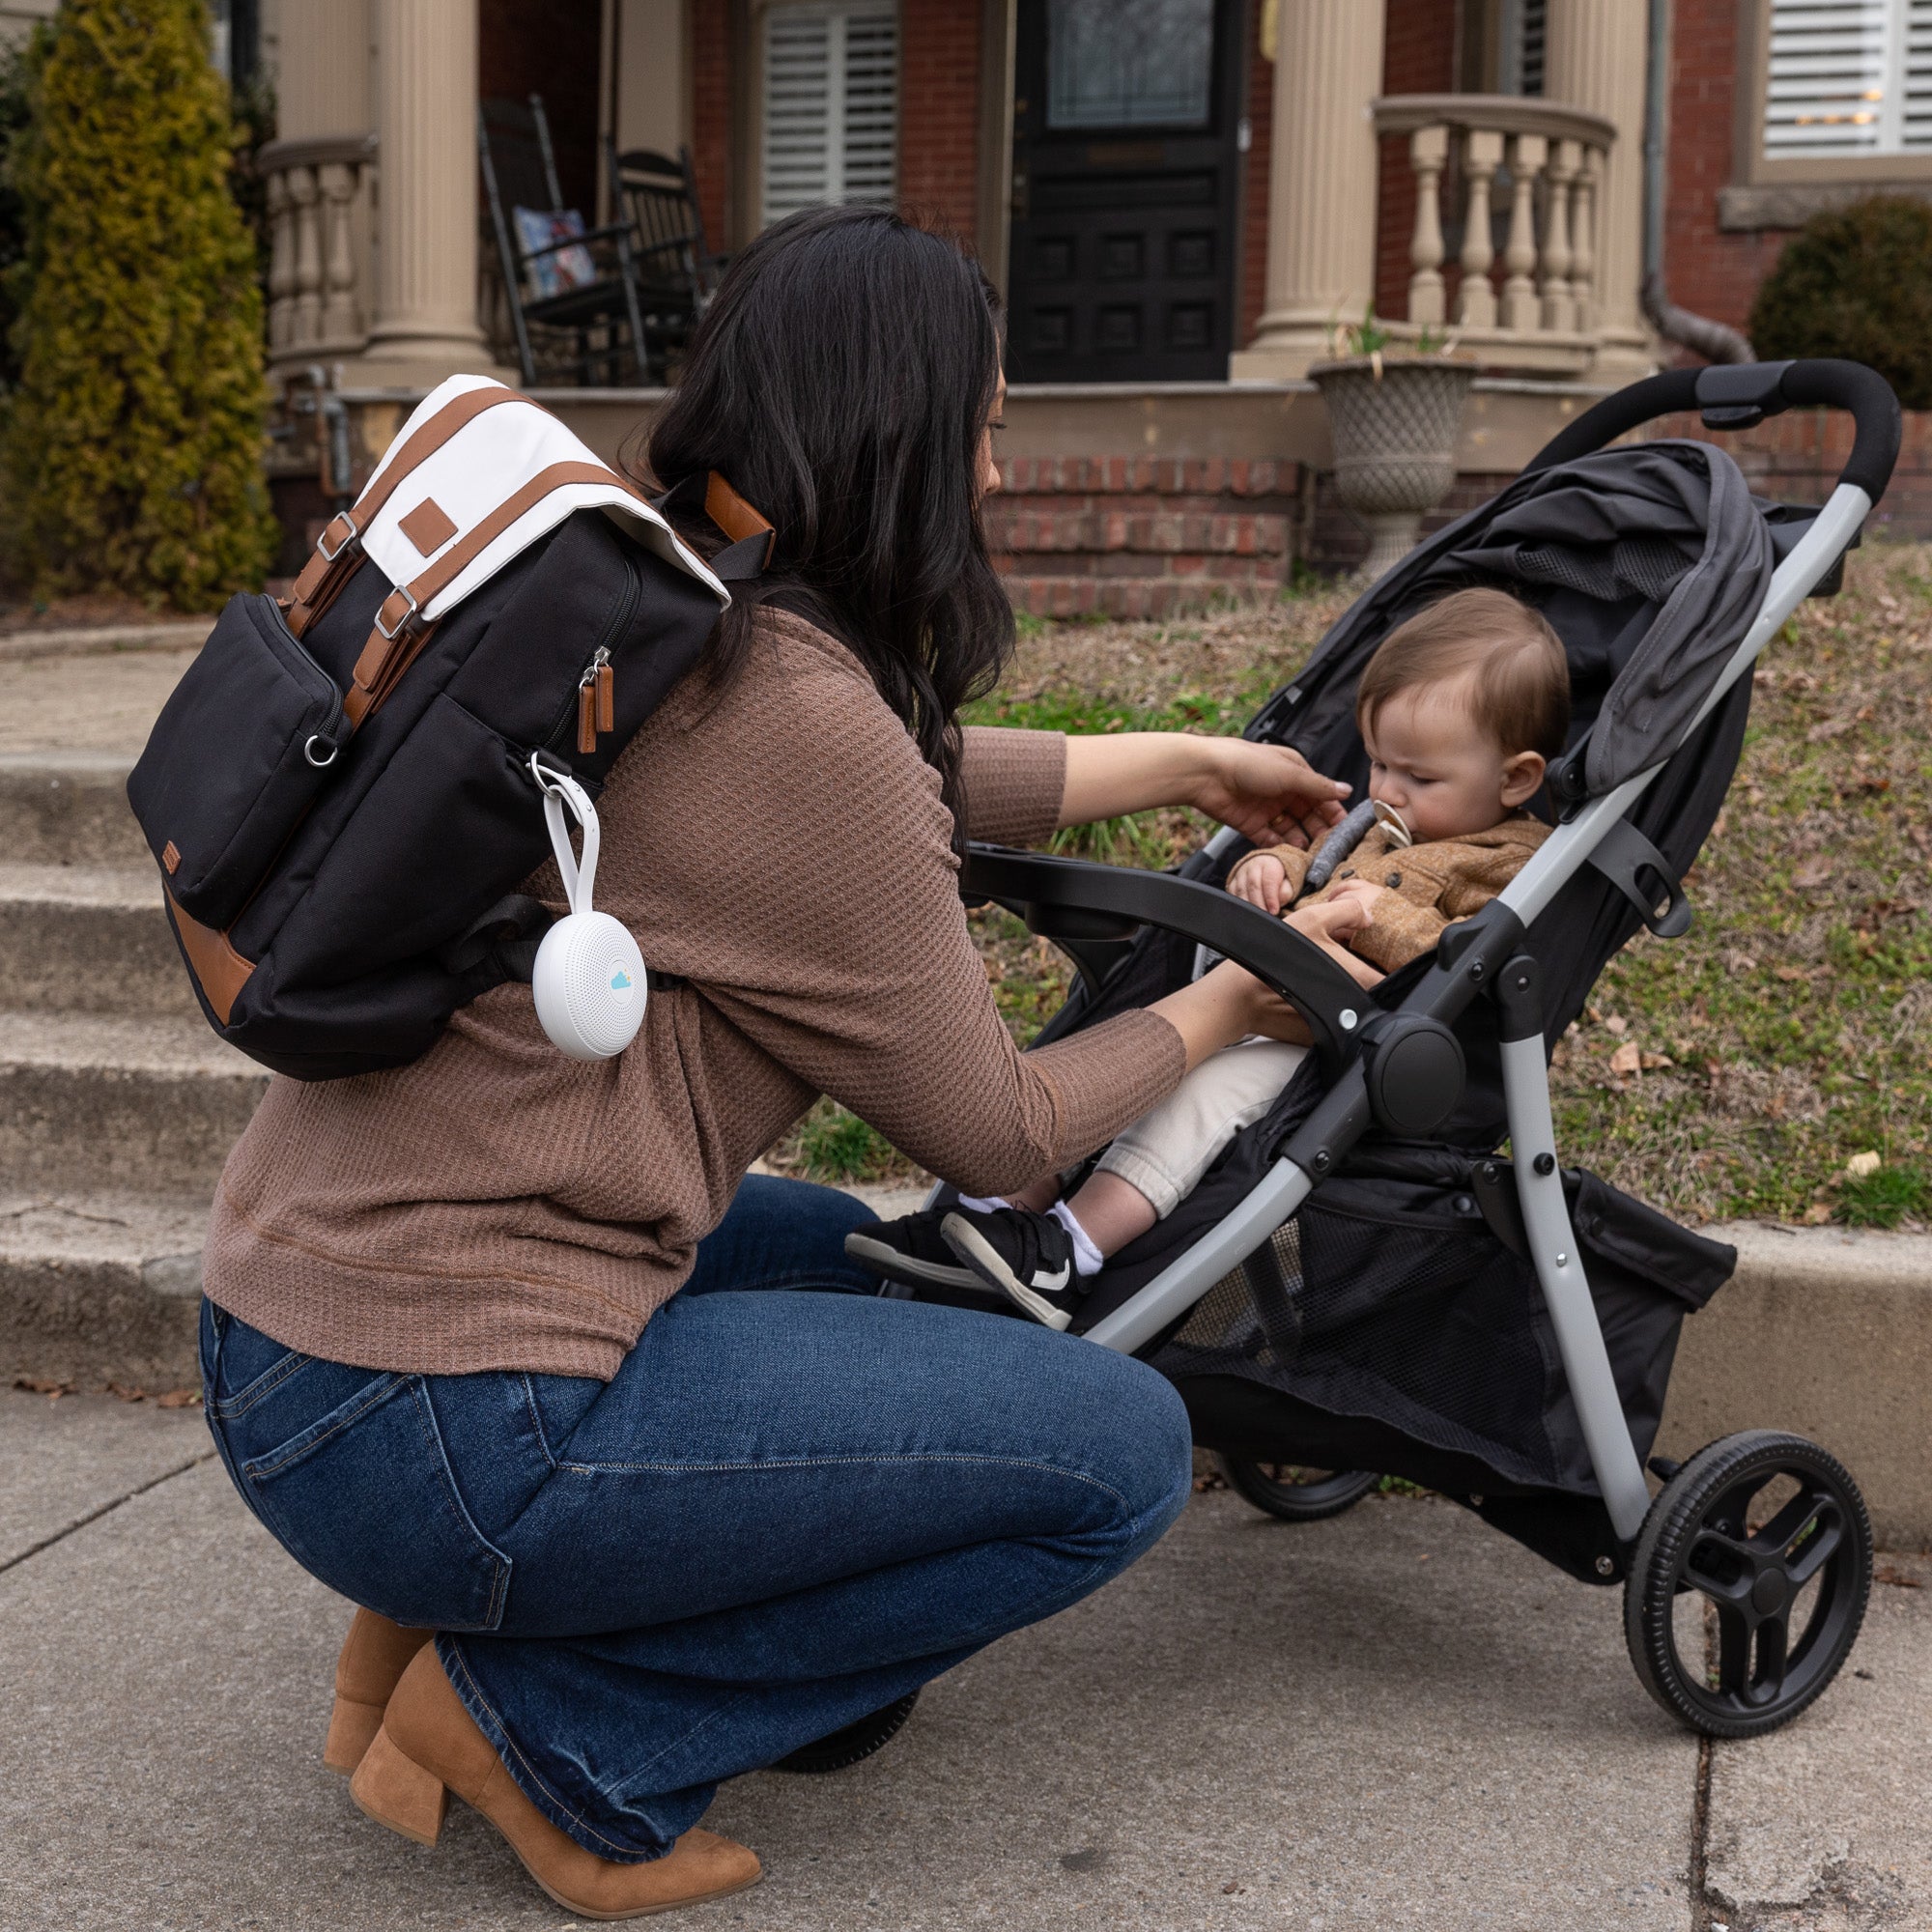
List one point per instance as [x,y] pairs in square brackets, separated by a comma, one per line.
[1425,886]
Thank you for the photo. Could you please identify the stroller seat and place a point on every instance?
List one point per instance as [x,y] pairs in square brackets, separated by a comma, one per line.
[1364,1282]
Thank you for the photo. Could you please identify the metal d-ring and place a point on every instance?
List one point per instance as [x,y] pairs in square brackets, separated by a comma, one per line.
[308,751]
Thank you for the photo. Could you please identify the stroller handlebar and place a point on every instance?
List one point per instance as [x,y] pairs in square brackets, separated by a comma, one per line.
[1739,396]
[1078,899]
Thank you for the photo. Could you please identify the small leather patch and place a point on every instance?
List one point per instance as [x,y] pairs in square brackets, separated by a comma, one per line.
[427,527]
[171,858]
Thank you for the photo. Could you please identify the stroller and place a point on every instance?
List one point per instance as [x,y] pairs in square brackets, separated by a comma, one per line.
[1362,1285]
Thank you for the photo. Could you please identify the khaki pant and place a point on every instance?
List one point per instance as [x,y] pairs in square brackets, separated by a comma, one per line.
[1167,1150]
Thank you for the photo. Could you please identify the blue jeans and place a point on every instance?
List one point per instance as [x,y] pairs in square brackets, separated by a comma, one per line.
[786,1510]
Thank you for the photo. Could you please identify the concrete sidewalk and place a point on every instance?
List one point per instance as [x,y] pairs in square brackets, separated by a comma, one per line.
[1397,1719]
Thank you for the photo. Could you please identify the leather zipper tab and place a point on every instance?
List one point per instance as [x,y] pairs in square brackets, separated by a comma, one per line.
[586,718]
[606,698]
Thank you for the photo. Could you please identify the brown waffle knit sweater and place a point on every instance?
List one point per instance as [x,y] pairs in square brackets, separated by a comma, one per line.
[783,849]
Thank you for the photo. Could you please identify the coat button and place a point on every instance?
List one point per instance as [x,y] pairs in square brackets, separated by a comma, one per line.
[1395,878]
[1346,872]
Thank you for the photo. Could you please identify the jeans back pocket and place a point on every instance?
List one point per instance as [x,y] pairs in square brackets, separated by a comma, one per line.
[365,1500]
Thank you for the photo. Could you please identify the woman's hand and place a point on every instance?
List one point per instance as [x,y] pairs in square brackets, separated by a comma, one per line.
[1266,792]
[1331,923]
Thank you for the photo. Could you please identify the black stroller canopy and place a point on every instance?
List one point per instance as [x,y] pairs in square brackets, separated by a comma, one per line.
[1651,563]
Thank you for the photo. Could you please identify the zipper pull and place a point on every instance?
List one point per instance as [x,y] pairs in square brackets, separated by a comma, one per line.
[596,701]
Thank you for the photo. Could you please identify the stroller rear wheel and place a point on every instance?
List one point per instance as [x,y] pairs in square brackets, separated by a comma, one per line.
[1749,1582]
[1295,1492]
[852,1745]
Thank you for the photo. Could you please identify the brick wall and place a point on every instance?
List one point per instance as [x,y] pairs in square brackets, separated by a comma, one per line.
[711,63]
[1707,271]
[939,113]
[1141,536]
[1418,57]
[1795,457]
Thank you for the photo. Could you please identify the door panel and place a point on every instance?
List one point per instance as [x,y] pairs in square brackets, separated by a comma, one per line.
[1126,166]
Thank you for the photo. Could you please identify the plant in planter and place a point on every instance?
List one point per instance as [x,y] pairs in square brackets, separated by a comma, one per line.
[1395,412]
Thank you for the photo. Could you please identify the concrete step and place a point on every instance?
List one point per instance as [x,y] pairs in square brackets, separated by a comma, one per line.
[100,1288]
[69,808]
[149,1103]
[1826,1332]
[88,939]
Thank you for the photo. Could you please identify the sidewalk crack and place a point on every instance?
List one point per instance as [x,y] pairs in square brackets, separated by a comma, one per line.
[1700,1840]
[105,1509]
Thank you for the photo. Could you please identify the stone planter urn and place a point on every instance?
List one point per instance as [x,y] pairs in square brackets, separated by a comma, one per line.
[1395,421]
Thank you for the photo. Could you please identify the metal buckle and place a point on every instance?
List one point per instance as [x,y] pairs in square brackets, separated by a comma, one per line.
[392,631]
[322,542]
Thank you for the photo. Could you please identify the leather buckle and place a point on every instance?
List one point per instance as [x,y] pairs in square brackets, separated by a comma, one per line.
[350,535]
[404,618]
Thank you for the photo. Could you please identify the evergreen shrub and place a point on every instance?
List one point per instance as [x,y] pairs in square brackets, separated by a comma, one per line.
[1856,281]
[134,441]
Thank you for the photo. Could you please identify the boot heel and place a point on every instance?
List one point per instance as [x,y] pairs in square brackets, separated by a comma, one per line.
[352,1731]
[396,1791]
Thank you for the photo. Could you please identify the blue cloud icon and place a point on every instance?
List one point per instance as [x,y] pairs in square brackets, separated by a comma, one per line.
[619,980]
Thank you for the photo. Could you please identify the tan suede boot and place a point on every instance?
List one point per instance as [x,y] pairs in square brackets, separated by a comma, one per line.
[374,1656]
[428,1746]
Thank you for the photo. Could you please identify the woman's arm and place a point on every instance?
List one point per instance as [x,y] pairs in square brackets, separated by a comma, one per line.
[1266,792]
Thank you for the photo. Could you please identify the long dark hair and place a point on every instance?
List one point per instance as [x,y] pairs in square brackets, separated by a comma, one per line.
[841,382]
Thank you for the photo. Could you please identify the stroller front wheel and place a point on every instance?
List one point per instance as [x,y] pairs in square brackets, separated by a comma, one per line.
[1749,1582]
[1293,1493]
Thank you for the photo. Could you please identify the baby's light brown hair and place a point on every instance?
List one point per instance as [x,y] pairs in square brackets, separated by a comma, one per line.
[1520,694]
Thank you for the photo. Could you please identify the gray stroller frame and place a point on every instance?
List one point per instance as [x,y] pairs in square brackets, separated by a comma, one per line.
[1401,1070]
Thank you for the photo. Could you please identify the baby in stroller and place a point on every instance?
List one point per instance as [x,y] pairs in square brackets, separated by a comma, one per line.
[1462,708]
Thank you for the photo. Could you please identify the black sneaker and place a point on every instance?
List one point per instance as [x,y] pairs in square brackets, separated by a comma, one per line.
[1028,1257]
[910,1250]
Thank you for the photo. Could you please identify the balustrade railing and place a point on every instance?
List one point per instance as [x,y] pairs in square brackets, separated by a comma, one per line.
[321,265]
[1514,183]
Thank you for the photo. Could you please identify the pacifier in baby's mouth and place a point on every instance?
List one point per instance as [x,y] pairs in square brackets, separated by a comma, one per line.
[1391,821]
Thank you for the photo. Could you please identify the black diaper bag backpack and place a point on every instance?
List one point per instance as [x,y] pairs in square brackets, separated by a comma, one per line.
[340,793]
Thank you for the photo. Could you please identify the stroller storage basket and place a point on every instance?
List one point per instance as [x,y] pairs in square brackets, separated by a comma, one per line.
[1398,1301]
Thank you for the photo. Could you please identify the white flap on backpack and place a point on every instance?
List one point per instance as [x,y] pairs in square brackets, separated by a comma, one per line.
[481,469]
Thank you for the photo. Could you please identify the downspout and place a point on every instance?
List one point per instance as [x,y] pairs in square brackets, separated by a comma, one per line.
[1714,341]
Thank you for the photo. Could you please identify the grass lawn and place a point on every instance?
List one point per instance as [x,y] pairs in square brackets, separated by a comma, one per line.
[1736,1071]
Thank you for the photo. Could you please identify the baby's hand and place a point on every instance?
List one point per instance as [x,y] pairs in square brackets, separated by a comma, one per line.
[1262,879]
[1358,892]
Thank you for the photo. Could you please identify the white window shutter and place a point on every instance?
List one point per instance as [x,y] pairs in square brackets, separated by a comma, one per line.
[1840,78]
[830,101]
[1916,116]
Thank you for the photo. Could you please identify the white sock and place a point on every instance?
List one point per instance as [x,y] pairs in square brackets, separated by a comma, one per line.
[975,1204]
[1087,1258]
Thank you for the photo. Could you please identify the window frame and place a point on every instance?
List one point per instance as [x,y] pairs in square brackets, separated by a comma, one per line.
[1753,168]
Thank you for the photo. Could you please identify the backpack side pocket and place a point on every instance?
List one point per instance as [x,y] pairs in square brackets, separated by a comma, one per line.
[243,746]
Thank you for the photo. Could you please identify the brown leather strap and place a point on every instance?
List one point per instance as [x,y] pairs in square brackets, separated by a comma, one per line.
[730,512]
[401,630]
[338,554]
[218,969]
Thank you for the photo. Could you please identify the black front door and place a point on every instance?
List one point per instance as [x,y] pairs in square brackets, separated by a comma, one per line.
[1126,161]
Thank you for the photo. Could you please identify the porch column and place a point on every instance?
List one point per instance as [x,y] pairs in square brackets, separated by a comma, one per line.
[322,79]
[1595,60]
[426,240]
[1322,183]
